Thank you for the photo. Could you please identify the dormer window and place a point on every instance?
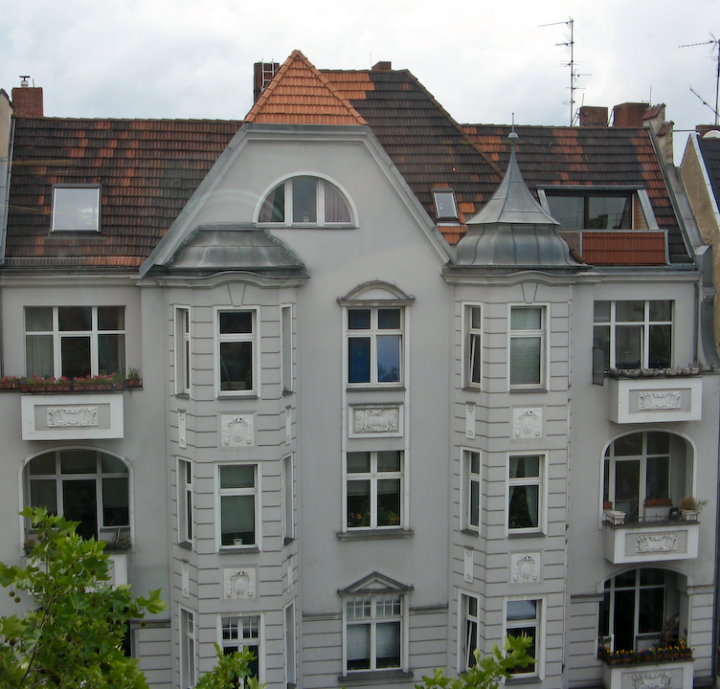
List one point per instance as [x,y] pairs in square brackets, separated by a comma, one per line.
[445,204]
[76,209]
[305,201]
[592,210]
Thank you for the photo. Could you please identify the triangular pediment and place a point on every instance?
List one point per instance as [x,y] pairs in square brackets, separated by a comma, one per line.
[375,583]
[300,94]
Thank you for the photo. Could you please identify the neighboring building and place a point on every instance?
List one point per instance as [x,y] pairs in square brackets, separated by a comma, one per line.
[408,386]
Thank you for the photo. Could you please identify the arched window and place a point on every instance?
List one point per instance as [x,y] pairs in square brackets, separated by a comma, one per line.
[305,201]
[86,486]
[646,474]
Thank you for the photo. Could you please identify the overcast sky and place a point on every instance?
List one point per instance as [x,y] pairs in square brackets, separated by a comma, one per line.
[482,60]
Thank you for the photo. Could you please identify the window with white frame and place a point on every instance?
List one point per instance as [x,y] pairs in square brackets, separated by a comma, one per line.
[74,341]
[592,210]
[305,200]
[468,632]
[471,490]
[375,345]
[236,351]
[182,351]
[473,346]
[445,204]
[86,486]
[185,501]
[374,489]
[288,493]
[188,675]
[525,493]
[523,618]
[634,334]
[76,208]
[238,633]
[286,347]
[373,631]
[527,346]
[290,659]
[238,493]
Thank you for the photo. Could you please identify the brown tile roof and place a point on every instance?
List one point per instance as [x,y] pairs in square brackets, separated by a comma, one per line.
[147,169]
[299,94]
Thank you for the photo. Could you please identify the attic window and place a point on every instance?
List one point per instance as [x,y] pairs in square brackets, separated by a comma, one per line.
[445,204]
[305,201]
[76,209]
[592,211]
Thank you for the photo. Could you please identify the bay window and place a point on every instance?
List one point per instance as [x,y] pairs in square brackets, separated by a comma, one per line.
[525,493]
[238,493]
[527,346]
[236,351]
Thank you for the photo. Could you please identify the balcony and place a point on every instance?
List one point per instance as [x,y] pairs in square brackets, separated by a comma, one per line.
[652,539]
[662,397]
[619,247]
[674,675]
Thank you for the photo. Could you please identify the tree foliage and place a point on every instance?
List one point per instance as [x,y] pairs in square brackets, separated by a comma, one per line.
[229,672]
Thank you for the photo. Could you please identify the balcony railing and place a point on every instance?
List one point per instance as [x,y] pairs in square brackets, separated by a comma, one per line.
[619,247]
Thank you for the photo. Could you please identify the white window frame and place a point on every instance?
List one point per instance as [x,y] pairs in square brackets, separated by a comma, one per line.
[253,338]
[288,496]
[372,333]
[287,373]
[536,333]
[185,501]
[188,647]
[374,476]
[290,625]
[472,345]
[92,334]
[539,481]
[452,199]
[244,622]
[465,619]
[372,621]
[182,347]
[467,479]
[256,492]
[59,190]
[540,635]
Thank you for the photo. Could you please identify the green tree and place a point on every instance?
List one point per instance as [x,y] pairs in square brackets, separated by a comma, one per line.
[488,672]
[229,672]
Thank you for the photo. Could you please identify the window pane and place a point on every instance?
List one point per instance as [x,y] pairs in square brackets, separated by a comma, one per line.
[387,644]
[80,505]
[530,633]
[78,462]
[75,356]
[359,359]
[523,508]
[336,209]
[388,501]
[273,208]
[44,494]
[627,487]
[568,211]
[523,467]
[111,318]
[237,476]
[75,318]
[388,319]
[525,318]
[358,462]
[628,445]
[237,520]
[112,465]
[601,339]
[601,312]
[521,610]
[629,311]
[658,443]
[660,346]
[43,465]
[609,213]
[358,503]
[661,310]
[388,460]
[304,199]
[388,358]
[475,318]
[652,611]
[38,318]
[657,481]
[39,352]
[76,209]
[358,647]
[445,204]
[474,462]
[111,354]
[236,365]
[235,322]
[116,511]
[628,346]
[359,319]
[525,358]
[474,503]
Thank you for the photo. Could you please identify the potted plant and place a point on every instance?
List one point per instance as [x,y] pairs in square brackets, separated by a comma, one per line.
[690,508]
[40,384]
[133,380]
[93,383]
[9,383]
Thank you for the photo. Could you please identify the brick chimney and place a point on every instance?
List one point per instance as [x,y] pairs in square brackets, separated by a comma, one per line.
[593,116]
[629,114]
[382,67]
[27,100]
[263,73]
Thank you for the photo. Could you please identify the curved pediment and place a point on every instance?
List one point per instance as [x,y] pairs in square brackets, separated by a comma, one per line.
[376,292]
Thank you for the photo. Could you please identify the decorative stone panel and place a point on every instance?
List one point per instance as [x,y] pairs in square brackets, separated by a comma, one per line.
[676,675]
[469,564]
[527,423]
[470,420]
[240,583]
[650,400]
[238,430]
[524,568]
[182,428]
[376,420]
[648,542]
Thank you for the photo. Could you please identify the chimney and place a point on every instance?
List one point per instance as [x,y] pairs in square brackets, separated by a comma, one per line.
[263,73]
[382,67]
[593,116]
[27,100]
[629,114]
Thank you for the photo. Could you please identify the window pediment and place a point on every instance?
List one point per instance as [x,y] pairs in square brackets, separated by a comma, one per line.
[376,292]
[375,583]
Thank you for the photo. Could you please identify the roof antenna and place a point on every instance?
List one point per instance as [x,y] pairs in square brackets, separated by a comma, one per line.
[715,42]
[513,123]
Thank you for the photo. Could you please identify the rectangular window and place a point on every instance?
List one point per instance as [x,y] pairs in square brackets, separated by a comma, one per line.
[523,619]
[525,493]
[473,346]
[288,498]
[187,648]
[445,204]
[373,632]
[185,501]
[182,351]
[290,661]
[238,505]
[471,490]
[239,633]
[375,346]
[374,489]
[74,341]
[76,209]
[468,632]
[236,351]
[634,334]
[592,211]
[527,346]
[286,347]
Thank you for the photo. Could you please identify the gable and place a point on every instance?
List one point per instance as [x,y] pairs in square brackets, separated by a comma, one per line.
[375,583]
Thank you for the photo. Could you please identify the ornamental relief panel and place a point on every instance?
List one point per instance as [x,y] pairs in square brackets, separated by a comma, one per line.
[527,423]
[240,583]
[652,680]
[524,568]
[238,430]
[656,543]
[64,417]
[662,399]
[377,419]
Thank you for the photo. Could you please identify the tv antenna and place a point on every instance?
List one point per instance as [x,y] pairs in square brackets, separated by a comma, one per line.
[716,43]
[574,76]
